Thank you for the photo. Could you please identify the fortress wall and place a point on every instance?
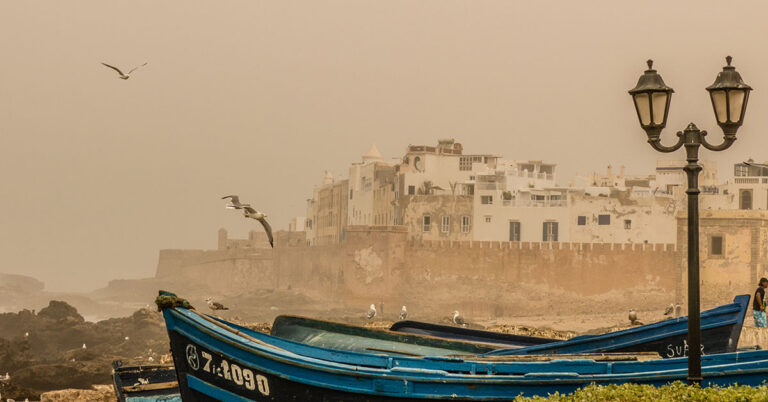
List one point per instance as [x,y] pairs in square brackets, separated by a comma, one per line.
[482,278]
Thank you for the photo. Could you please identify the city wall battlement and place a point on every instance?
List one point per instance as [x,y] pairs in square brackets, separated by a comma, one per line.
[502,245]
[485,278]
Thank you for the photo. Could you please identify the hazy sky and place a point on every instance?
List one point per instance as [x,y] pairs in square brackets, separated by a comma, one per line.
[259,98]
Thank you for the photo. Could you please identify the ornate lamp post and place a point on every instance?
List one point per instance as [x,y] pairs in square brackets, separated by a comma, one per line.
[729,96]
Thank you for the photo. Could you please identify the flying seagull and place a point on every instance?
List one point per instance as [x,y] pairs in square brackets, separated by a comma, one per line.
[670,309]
[403,313]
[371,312]
[458,320]
[249,212]
[122,75]
[234,202]
[215,305]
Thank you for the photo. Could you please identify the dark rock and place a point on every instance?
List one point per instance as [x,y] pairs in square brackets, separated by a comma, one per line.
[60,311]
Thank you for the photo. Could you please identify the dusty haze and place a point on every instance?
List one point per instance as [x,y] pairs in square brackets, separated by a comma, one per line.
[259,98]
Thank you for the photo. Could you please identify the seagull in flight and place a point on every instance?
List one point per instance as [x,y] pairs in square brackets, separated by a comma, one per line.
[124,76]
[215,305]
[371,312]
[249,212]
[234,202]
[670,309]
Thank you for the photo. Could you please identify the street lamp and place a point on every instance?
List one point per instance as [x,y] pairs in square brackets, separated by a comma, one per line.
[729,95]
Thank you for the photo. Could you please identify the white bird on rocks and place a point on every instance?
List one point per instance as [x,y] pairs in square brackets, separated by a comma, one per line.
[458,319]
[403,313]
[124,76]
[127,338]
[371,312]
[84,346]
[249,212]
[26,334]
[215,305]
[234,202]
[670,309]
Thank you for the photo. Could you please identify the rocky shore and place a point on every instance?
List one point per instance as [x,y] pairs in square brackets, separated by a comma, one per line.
[56,348]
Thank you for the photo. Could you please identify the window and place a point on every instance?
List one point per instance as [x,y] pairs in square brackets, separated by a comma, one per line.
[603,219]
[411,190]
[716,248]
[745,199]
[350,194]
[486,199]
[550,231]
[581,220]
[488,219]
[627,224]
[426,223]
[514,231]
[465,162]
[445,224]
[465,221]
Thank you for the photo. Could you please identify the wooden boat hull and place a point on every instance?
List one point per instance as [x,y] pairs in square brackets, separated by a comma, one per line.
[339,336]
[147,383]
[720,332]
[217,362]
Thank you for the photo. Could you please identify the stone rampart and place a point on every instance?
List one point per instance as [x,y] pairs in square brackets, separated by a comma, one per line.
[483,278]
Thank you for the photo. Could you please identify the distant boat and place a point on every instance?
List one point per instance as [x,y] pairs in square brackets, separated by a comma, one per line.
[146,383]
[215,359]
[720,332]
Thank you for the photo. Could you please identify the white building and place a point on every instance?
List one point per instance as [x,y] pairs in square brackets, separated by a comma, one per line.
[519,201]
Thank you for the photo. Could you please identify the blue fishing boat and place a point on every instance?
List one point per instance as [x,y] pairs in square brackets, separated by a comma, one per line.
[217,360]
[145,383]
[720,329]
[720,332]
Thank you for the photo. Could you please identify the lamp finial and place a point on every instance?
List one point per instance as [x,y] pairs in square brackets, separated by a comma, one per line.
[728,59]
[650,64]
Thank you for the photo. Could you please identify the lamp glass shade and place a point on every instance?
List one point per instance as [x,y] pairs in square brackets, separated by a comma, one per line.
[643,108]
[659,103]
[720,105]
[735,103]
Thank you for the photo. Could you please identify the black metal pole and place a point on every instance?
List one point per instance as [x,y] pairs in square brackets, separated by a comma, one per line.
[692,142]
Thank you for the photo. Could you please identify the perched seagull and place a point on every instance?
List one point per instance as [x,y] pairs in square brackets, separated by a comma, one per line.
[371,312]
[215,305]
[249,212]
[633,317]
[403,313]
[84,346]
[458,320]
[670,309]
[124,76]
[234,202]
[26,334]
[127,338]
